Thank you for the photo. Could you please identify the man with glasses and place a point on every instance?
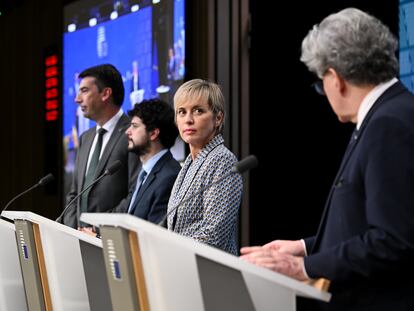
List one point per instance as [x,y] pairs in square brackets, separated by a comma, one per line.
[365,240]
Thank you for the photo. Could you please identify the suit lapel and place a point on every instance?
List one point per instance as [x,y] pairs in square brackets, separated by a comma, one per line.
[394,90]
[187,175]
[188,172]
[87,141]
[112,142]
[175,196]
[152,176]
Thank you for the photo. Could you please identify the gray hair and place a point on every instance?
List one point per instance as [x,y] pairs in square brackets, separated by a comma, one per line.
[357,45]
[202,90]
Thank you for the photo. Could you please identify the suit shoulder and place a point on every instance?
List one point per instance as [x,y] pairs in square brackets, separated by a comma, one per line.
[173,166]
[222,153]
[88,133]
[123,122]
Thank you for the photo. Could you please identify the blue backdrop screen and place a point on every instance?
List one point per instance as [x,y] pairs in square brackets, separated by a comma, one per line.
[407,43]
[145,43]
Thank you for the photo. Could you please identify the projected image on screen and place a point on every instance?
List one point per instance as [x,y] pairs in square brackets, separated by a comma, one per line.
[145,40]
[406,41]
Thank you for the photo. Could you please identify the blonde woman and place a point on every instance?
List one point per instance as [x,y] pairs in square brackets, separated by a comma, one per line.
[200,206]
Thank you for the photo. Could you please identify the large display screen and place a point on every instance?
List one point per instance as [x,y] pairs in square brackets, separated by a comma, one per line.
[145,40]
[407,43]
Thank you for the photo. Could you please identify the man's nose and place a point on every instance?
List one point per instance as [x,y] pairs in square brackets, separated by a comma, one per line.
[77,99]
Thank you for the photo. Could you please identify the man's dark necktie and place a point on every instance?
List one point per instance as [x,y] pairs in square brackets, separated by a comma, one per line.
[90,174]
[141,178]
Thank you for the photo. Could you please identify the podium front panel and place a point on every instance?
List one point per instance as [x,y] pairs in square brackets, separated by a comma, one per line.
[12,296]
[182,274]
[95,276]
[222,287]
[119,269]
[30,265]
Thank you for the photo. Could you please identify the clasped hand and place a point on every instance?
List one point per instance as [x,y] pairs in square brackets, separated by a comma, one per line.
[282,256]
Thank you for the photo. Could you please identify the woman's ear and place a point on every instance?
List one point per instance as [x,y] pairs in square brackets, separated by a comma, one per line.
[219,119]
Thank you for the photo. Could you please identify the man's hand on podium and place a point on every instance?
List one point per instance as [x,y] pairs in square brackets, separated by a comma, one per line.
[90,230]
[275,260]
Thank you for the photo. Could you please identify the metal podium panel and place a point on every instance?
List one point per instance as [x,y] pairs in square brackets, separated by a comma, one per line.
[30,265]
[96,279]
[12,296]
[119,269]
[223,288]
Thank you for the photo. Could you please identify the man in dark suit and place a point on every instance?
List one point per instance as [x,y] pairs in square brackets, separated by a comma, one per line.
[365,241]
[100,97]
[150,136]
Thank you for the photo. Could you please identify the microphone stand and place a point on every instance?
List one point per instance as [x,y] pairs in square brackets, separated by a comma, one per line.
[76,197]
[114,167]
[19,195]
[44,181]
[15,198]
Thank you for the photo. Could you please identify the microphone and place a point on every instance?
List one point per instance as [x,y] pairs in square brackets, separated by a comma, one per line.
[42,182]
[124,128]
[114,167]
[45,180]
[245,165]
[240,167]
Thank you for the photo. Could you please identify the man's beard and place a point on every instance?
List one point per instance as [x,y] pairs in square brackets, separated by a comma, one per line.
[142,149]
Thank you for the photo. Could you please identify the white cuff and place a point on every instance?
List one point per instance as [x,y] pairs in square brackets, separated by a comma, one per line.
[304,246]
[306,254]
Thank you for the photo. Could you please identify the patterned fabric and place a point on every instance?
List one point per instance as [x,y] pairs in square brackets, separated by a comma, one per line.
[209,216]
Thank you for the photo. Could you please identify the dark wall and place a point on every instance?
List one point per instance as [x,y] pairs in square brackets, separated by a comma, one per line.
[27,29]
[295,134]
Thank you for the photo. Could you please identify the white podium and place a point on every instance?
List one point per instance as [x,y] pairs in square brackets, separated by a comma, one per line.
[12,295]
[162,270]
[63,269]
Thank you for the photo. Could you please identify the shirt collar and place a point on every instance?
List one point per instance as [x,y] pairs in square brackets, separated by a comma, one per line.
[150,163]
[217,140]
[370,99]
[109,126]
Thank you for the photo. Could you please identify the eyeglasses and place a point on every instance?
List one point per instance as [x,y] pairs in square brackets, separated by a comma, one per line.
[318,86]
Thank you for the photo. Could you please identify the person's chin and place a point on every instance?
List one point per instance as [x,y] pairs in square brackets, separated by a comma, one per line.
[191,140]
[132,149]
[186,138]
[135,151]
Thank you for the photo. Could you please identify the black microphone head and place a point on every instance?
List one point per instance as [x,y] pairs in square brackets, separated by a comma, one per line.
[246,164]
[45,180]
[124,128]
[114,167]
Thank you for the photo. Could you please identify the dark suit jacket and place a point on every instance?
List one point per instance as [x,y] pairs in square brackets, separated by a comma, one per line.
[107,194]
[152,198]
[365,242]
